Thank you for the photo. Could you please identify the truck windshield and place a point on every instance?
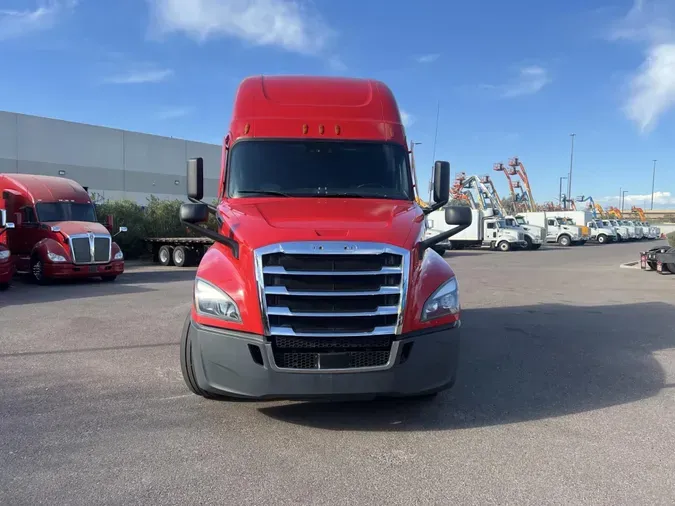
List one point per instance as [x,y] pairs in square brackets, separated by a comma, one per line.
[561,221]
[310,168]
[65,211]
[520,220]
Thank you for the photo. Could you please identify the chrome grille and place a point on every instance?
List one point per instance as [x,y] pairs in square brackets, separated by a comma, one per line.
[90,248]
[323,299]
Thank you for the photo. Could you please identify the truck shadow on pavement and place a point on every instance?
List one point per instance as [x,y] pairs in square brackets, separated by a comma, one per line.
[519,364]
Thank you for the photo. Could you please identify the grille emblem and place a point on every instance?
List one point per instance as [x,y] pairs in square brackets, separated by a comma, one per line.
[91,245]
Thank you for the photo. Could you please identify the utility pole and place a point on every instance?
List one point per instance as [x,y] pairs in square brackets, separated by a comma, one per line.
[653,180]
[569,178]
[623,199]
[560,190]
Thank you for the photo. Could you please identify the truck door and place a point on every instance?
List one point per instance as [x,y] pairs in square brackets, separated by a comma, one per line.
[29,232]
[551,229]
[491,230]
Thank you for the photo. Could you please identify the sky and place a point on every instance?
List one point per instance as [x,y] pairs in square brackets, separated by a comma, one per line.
[504,79]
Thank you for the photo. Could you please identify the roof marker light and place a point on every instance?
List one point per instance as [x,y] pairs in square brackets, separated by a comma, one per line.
[337,129]
[305,128]
[247,127]
[321,129]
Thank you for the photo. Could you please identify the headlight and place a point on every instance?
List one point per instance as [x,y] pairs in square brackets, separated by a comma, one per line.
[4,254]
[211,301]
[55,258]
[444,301]
[119,255]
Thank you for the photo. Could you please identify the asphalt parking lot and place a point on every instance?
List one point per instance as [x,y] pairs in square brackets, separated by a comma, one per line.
[565,395]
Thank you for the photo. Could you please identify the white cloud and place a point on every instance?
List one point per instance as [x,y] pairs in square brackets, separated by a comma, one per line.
[406,118]
[174,112]
[282,23]
[428,58]
[18,23]
[651,90]
[140,76]
[661,199]
[531,80]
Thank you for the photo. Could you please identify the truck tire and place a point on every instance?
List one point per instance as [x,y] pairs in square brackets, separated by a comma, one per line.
[504,246]
[602,239]
[529,243]
[187,366]
[565,240]
[181,256]
[37,271]
[165,255]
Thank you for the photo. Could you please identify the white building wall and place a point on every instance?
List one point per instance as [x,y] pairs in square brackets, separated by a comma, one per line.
[117,164]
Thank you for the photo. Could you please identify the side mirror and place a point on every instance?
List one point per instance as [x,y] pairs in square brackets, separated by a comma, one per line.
[122,229]
[441,182]
[195,179]
[458,215]
[194,213]
[9,224]
[18,219]
[3,218]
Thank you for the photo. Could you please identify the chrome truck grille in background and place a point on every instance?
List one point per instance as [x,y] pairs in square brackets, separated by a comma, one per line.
[90,248]
[332,305]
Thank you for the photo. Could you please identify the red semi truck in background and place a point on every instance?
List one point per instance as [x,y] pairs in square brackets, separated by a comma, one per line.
[319,282]
[6,261]
[56,234]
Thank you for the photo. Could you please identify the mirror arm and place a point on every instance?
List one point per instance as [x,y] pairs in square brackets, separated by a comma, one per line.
[212,209]
[427,243]
[435,206]
[225,241]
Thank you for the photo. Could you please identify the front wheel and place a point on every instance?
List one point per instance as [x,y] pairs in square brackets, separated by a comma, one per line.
[37,271]
[564,240]
[187,365]
[602,239]
[529,244]
[504,246]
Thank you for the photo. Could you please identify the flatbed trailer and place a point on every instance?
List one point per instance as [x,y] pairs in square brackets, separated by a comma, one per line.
[178,251]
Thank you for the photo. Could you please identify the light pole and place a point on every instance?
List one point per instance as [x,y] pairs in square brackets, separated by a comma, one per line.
[623,193]
[653,179]
[560,190]
[569,179]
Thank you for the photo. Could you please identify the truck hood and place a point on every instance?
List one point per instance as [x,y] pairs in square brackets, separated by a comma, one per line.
[260,222]
[79,227]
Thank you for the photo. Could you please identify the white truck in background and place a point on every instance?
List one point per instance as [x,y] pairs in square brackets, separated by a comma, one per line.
[640,231]
[535,235]
[557,229]
[622,232]
[486,230]
[598,231]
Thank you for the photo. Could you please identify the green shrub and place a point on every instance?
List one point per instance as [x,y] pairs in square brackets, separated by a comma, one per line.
[671,239]
[159,218]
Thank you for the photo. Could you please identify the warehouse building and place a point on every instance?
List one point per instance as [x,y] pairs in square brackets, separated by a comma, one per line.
[116,164]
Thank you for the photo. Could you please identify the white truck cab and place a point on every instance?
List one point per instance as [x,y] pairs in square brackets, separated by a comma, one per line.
[535,235]
[558,230]
[623,232]
[486,230]
[596,229]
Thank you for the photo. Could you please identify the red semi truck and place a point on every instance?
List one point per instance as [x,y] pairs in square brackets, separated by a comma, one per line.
[319,283]
[6,261]
[56,234]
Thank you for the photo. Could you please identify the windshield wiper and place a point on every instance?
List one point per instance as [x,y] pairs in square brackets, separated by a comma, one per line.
[263,192]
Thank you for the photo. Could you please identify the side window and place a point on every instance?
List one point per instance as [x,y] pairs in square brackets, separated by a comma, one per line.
[29,215]
[490,225]
[551,223]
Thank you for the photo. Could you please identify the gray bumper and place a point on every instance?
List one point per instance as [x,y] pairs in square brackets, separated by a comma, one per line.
[224,363]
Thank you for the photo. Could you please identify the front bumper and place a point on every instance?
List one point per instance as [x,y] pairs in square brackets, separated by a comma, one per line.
[224,363]
[68,270]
